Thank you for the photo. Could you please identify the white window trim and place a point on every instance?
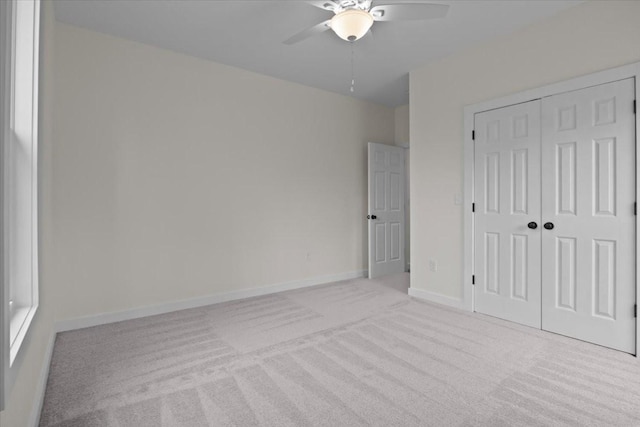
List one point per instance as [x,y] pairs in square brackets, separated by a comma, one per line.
[5,86]
[10,359]
[598,78]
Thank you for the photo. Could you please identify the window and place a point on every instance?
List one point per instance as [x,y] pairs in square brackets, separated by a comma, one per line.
[19,36]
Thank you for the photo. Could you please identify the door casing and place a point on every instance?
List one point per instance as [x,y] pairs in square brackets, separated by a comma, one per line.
[594,79]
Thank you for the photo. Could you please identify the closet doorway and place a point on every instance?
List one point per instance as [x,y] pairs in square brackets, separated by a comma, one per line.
[554,192]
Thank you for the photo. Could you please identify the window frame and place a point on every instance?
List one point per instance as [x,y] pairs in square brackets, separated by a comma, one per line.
[11,343]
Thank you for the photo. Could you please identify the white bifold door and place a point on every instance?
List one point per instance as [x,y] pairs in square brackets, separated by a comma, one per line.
[554,218]
[386,209]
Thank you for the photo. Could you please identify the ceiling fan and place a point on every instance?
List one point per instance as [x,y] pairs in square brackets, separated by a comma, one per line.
[353,18]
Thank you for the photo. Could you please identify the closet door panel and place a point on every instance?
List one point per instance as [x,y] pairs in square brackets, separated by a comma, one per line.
[507,197]
[588,194]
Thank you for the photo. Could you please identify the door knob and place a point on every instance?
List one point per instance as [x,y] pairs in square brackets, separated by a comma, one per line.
[548,225]
[372,217]
[532,225]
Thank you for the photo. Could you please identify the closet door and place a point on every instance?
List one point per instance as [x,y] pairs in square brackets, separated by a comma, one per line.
[507,214]
[588,176]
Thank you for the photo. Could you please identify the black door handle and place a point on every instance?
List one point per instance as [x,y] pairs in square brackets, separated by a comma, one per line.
[372,217]
[532,225]
[548,225]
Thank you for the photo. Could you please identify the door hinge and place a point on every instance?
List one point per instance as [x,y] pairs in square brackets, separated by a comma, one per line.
[473,135]
[635,310]
[635,208]
[473,279]
[634,106]
[473,207]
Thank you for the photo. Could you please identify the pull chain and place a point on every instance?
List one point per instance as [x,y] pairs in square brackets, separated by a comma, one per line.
[353,78]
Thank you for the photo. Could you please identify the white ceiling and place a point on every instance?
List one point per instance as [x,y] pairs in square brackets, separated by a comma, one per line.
[249,35]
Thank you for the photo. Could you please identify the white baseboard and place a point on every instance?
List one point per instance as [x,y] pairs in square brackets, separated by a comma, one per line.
[135,313]
[437,298]
[41,385]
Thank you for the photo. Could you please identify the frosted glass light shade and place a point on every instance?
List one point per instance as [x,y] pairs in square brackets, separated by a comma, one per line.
[351,24]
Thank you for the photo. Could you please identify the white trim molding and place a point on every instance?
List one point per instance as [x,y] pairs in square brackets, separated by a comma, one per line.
[152,310]
[598,78]
[437,298]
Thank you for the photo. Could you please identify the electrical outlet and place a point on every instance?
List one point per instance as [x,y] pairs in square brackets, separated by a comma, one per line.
[433,265]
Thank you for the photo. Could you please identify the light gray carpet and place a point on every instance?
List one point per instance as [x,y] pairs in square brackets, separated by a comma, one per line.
[353,353]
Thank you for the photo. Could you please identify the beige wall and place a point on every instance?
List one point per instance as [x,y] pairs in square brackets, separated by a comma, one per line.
[402,128]
[590,37]
[178,178]
[402,139]
[32,356]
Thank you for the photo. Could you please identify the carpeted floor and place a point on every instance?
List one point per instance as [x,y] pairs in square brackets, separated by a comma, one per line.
[352,353]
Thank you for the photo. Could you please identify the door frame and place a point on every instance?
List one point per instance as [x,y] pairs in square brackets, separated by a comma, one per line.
[594,79]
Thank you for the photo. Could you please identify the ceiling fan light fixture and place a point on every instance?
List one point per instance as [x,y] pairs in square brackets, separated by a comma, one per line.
[351,24]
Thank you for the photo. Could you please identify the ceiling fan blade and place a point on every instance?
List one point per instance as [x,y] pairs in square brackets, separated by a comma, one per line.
[408,11]
[309,32]
[326,5]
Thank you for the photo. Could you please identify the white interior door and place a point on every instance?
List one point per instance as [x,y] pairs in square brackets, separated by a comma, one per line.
[507,213]
[588,181]
[386,209]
